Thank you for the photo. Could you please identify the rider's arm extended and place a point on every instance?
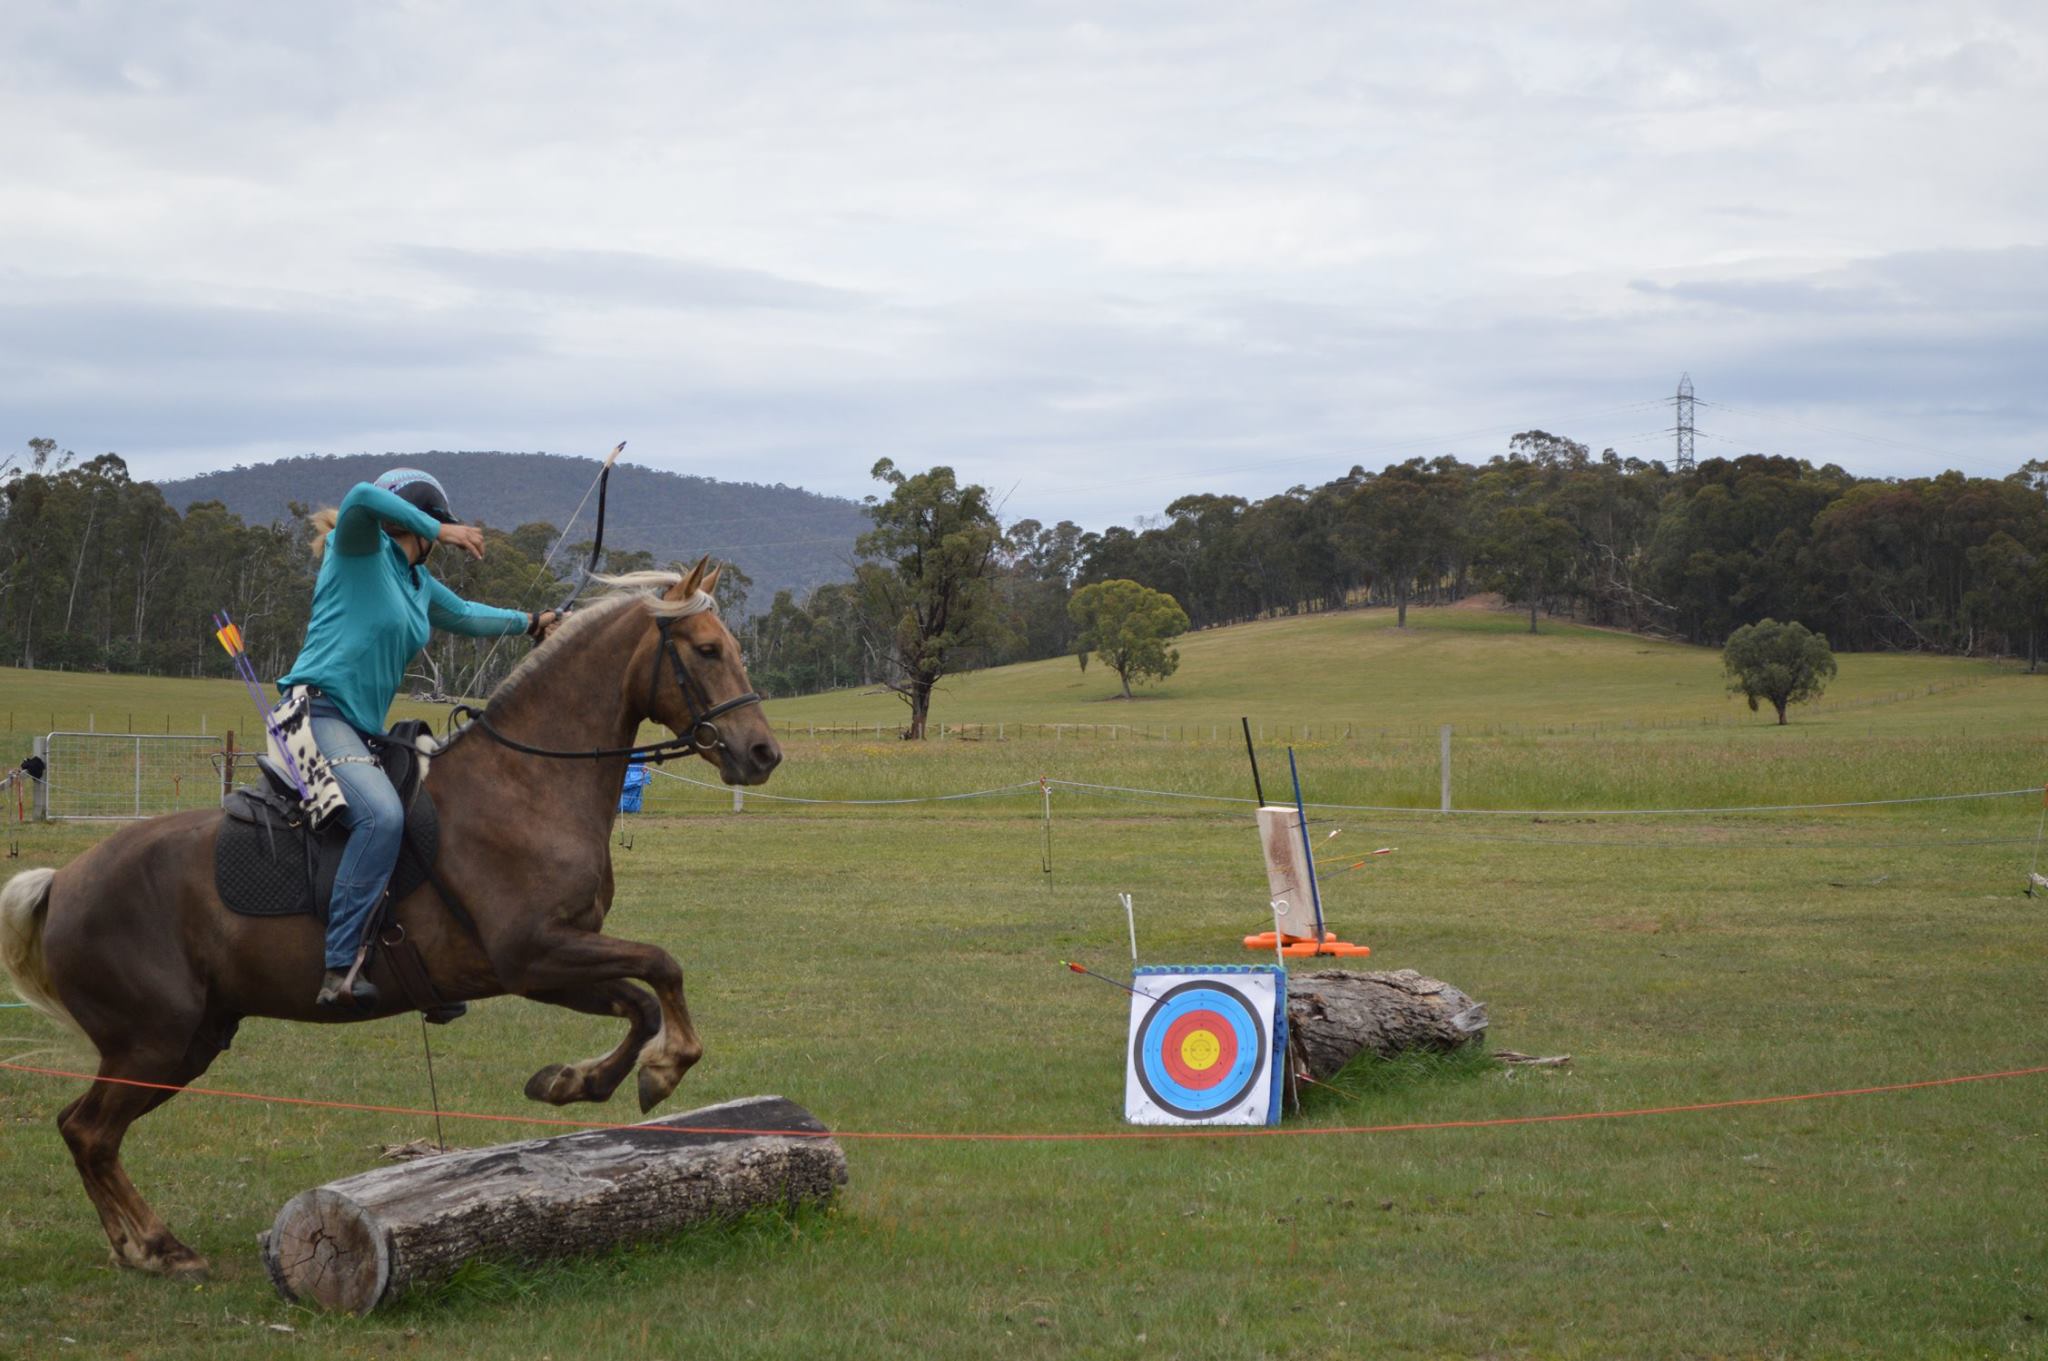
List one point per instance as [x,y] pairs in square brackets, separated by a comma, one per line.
[451,613]
[359,525]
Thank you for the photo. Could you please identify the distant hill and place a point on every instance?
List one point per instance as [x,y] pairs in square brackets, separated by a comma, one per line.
[780,536]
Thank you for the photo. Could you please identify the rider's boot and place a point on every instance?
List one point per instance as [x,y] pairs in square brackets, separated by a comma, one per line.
[347,989]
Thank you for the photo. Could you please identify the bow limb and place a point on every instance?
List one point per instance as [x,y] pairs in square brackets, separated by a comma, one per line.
[604,478]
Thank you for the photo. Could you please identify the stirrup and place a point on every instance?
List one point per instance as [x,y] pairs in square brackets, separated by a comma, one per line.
[347,991]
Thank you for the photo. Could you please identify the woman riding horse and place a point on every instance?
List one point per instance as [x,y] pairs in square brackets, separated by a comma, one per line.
[374,605]
[130,944]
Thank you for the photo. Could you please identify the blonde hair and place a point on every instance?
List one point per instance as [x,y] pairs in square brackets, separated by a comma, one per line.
[322,521]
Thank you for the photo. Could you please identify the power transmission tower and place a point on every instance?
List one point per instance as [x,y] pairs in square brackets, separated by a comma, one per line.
[1684,403]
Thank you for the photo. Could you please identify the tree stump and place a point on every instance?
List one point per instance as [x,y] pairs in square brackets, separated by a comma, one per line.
[1334,1014]
[359,1242]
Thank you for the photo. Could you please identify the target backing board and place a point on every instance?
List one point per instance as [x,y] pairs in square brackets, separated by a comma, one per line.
[1290,878]
[1203,1045]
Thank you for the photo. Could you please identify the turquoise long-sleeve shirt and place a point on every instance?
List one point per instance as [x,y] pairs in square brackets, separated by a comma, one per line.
[373,610]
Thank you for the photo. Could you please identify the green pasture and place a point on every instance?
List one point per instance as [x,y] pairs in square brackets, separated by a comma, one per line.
[1324,674]
[895,969]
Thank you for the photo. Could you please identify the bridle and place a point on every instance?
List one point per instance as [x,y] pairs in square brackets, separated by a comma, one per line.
[703,734]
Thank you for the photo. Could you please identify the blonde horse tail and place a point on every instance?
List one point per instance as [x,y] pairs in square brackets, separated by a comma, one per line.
[24,903]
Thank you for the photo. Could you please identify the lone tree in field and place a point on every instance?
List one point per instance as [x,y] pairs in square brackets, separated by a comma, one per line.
[1128,627]
[926,576]
[1783,663]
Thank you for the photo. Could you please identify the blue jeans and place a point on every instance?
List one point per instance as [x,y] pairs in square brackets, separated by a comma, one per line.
[376,829]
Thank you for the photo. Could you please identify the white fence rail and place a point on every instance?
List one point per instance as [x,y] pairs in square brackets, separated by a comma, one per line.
[98,776]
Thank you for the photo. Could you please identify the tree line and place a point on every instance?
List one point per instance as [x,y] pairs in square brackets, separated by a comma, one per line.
[1947,563]
[99,573]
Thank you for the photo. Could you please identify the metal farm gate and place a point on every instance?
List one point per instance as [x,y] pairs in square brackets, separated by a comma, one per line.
[98,775]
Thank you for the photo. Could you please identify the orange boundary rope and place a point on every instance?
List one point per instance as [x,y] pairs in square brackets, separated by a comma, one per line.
[1200,1132]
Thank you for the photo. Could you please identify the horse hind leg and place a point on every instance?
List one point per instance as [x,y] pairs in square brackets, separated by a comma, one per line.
[94,1126]
[596,1079]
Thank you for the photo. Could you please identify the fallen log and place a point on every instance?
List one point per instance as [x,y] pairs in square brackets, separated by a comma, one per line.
[362,1241]
[1333,1015]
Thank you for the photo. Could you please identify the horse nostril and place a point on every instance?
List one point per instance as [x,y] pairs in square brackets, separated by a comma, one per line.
[766,755]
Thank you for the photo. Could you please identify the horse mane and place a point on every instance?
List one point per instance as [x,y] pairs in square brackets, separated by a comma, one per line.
[627,590]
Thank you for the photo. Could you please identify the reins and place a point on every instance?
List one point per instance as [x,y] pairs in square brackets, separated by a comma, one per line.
[704,734]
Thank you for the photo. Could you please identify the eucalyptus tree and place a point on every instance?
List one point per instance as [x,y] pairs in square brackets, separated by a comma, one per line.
[1783,663]
[1128,627]
[926,574]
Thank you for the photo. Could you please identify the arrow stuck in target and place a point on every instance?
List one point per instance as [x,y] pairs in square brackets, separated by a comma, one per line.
[1090,973]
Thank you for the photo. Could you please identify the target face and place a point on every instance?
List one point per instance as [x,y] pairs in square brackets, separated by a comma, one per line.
[1201,1048]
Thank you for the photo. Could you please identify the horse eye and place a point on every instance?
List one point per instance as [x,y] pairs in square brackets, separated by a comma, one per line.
[707,649]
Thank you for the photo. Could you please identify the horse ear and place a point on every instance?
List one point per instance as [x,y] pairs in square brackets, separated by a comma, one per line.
[710,581]
[692,582]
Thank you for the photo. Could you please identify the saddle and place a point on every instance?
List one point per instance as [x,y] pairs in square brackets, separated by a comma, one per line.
[268,862]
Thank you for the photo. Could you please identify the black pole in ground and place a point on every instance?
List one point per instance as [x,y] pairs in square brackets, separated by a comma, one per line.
[1257,789]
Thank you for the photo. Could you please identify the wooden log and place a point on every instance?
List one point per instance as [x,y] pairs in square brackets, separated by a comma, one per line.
[362,1241]
[1333,1015]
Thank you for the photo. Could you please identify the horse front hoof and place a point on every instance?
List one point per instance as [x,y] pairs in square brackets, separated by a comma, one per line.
[555,1085]
[653,1089]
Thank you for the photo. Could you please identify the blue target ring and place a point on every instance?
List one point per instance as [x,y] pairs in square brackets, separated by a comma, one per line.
[1222,1022]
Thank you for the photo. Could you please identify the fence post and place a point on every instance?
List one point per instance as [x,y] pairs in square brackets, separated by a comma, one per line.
[42,750]
[739,799]
[1443,739]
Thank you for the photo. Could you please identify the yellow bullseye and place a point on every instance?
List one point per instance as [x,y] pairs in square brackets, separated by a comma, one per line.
[1200,1050]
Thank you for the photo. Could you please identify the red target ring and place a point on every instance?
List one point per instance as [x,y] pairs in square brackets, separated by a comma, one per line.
[1200,1049]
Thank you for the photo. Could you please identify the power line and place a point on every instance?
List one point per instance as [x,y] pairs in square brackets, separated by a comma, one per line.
[1904,445]
[1358,456]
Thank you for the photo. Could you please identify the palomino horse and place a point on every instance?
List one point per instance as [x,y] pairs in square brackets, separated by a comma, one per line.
[130,944]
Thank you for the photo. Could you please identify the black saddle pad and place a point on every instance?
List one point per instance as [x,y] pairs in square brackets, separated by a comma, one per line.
[266,865]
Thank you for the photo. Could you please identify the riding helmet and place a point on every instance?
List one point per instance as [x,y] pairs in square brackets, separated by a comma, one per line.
[422,489]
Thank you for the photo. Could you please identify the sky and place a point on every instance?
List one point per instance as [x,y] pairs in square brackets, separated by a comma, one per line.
[1095,257]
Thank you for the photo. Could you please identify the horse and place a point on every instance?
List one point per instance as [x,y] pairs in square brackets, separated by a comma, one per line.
[130,945]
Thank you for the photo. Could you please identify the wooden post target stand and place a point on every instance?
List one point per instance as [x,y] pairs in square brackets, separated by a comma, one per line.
[362,1241]
[1291,886]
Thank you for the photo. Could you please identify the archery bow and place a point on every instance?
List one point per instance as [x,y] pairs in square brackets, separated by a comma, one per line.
[582,574]
[604,478]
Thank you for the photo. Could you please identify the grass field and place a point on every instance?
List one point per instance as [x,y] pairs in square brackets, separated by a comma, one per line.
[1477,669]
[895,969]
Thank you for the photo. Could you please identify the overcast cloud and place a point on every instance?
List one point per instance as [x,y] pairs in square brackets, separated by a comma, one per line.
[1106,254]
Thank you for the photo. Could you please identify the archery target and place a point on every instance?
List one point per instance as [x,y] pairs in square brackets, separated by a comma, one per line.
[1202,1046]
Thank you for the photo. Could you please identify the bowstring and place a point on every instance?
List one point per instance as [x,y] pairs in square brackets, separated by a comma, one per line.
[476,673]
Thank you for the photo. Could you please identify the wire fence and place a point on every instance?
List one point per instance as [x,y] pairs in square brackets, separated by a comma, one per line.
[1050,783]
[1310,728]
